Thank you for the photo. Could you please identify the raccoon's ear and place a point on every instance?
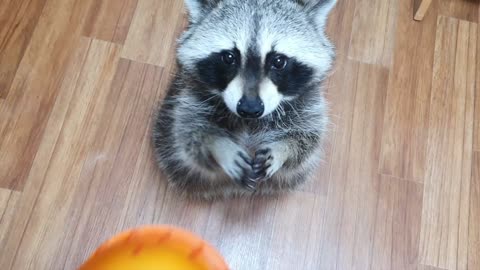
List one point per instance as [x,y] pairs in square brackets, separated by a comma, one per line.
[319,10]
[199,8]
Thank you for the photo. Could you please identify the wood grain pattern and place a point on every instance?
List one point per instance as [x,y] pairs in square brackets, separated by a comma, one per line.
[476,118]
[110,20]
[449,152]
[18,19]
[39,169]
[135,90]
[428,267]
[476,139]
[237,229]
[399,187]
[149,40]
[8,203]
[463,10]
[349,222]
[314,244]
[376,45]
[408,100]
[91,71]
[397,225]
[342,106]
[35,88]
[293,220]
[474,228]
[4,198]
[361,174]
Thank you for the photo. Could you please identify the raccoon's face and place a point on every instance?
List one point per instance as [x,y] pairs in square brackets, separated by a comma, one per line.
[257,54]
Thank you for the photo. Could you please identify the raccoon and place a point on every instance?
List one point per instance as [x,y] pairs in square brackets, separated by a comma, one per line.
[246,113]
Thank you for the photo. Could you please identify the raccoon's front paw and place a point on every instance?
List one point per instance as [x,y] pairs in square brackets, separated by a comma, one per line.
[267,162]
[262,163]
[242,172]
[235,162]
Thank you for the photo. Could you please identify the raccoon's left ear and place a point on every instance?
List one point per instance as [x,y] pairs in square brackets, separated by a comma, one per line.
[319,10]
[199,8]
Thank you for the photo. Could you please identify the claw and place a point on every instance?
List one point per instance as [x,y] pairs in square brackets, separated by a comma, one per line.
[257,170]
[246,159]
[257,166]
[250,183]
[261,164]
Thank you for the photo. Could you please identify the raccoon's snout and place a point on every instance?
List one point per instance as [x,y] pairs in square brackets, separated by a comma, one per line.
[250,107]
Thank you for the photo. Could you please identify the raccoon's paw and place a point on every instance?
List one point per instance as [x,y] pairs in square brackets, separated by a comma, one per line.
[268,161]
[242,171]
[235,162]
[262,163]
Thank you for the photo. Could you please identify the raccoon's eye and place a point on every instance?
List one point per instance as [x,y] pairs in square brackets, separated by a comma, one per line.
[279,62]
[229,58]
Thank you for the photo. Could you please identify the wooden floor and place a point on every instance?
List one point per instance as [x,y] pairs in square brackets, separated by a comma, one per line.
[399,188]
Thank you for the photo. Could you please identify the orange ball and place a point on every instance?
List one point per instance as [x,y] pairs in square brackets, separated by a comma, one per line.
[156,248]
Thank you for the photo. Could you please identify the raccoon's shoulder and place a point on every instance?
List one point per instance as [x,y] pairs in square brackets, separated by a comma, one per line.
[308,116]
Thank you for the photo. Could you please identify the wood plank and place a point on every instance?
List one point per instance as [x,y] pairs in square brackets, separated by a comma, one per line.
[428,267]
[184,213]
[363,181]
[8,202]
[397,225]
[148,31]
[313,244]
[459,9]
[474,228]
[18,19]
[476,138]
[352,197]
[476,118]
[404,137]
[49,209]
[295,218]
[470,84]
[180,26]
[35,87]
[241,229]
[4,198]
[444,231]
[110,20]
[120,143]
[342,97]
[376,45]
[139,209]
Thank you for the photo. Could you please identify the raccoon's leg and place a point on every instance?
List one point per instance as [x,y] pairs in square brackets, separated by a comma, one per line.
[212,149]
[234,160]
[289,153]
[201,162]
[270,159]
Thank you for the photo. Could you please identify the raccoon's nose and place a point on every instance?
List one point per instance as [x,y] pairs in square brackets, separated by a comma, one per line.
[250,107]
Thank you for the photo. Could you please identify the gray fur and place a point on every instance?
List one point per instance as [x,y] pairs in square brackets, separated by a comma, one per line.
[205,149]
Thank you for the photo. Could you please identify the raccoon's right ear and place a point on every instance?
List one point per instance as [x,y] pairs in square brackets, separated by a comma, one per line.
[319,10]
[199,8]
